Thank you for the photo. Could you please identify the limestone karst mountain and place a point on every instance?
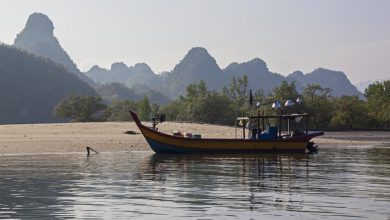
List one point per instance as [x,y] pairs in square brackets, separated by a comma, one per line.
[335,80]
[198,65]
[38,38]
[139,74]
[258,74]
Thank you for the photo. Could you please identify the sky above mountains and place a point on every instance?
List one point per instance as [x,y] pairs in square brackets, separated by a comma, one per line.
[350,35]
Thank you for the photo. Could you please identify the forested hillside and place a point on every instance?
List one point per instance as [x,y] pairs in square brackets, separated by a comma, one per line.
[31,86]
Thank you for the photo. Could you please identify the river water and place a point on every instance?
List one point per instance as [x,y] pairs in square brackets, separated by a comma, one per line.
[337,183]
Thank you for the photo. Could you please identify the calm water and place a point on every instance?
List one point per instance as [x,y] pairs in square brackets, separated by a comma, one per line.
[352,182]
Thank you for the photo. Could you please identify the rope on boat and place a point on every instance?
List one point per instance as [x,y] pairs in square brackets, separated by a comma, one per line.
[139,140]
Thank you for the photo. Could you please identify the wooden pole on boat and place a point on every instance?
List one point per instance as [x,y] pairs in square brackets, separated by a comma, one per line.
[258,124]
[280,123]
[306,123]
[243,126]
[288,125]
[235,124]
[263,127]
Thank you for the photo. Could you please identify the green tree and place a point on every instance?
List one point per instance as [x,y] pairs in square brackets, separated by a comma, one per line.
[155,108]
[213,108]
[378,101]
[238,87]
[285,91]
[119,110]
[238,94]
[196,90]
[200,105]
[79,108]
[174,109]
[319,104]
[144,109]
[350,113]
[315,91]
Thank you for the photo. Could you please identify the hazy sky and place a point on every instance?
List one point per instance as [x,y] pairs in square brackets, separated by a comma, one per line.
[348,35]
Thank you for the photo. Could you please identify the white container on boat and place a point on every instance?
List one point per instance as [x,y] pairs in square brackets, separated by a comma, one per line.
[197,136]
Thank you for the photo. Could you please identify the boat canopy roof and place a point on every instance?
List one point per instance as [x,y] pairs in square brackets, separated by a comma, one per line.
[286,116]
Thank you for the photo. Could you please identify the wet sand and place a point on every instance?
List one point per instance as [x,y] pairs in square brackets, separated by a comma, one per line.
[111,136]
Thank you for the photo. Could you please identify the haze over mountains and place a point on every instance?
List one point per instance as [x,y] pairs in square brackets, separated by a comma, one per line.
[37,38]
[29,78]
[198,65]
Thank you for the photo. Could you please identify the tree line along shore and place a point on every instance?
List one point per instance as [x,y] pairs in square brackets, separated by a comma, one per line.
[213,107]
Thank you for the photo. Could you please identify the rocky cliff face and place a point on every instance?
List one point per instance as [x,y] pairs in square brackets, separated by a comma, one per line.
[335,80]
[259,76]
[196,65]
[38,38]
[138,75]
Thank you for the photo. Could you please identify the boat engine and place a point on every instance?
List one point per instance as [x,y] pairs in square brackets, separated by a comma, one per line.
[312,147]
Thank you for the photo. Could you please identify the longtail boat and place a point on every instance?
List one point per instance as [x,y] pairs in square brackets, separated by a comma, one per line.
[269,141]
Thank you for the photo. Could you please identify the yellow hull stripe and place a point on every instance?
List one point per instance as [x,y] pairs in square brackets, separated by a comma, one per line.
[219,144]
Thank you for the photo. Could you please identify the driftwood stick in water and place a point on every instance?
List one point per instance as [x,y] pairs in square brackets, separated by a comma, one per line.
[89,151]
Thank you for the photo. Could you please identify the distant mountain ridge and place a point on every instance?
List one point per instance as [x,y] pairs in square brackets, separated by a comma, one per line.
[138,74]
[335,80]
[37,38]
[259,76]
[198,65]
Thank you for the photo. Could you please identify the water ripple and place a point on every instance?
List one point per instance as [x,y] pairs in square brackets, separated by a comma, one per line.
[343,183]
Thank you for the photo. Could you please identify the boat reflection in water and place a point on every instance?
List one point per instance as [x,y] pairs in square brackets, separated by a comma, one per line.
[218,179]
[350,182]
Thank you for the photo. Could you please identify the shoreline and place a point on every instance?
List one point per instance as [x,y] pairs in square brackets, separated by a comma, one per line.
[20,139]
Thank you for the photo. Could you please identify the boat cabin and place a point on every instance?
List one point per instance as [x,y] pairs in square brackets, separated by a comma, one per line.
[260,128]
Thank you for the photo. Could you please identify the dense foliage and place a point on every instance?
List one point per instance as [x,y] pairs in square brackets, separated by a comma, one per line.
[31,86]
[345,112]
[378,103]
[117,91]
[90,108]
[202,105]
[79,108]
[119,110]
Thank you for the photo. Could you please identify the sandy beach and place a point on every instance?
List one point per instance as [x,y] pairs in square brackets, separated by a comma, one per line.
[111,136]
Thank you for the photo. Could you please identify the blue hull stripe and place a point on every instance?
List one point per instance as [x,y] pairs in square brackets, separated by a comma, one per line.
[159,147]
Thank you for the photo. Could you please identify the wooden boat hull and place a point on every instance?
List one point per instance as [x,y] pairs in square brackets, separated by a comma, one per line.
[164,143]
